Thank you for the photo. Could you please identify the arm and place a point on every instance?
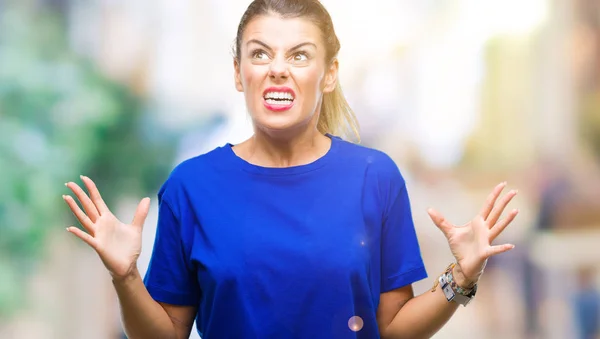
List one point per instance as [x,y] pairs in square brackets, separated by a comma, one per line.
[400,315]
[143,317]
[118,245]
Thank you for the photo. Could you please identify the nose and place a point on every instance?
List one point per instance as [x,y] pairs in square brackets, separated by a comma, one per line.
[278,69]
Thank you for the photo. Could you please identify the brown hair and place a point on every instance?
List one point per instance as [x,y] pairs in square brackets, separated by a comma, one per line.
[336,116]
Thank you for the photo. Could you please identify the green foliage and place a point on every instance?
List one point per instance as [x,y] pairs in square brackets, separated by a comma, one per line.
[59,117]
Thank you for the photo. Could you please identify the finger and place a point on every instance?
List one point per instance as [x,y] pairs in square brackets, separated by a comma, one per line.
[494,250]
[88,239]
[95,195]
[84,220]
[502,224]
[491,200]
[440,221]
[141,213]
[499,207]
[86,202]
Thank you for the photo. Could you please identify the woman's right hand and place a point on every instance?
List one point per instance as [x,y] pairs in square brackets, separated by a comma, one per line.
[118,244]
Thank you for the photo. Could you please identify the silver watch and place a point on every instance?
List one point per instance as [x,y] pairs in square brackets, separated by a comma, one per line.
[451,295]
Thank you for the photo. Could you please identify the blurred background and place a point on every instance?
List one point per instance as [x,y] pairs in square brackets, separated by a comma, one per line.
[462,94]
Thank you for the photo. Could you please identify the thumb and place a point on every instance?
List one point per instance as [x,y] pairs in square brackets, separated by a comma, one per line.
[141,213]
[439,220]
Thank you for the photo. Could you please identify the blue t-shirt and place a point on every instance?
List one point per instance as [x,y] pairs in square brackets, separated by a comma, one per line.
[296,252]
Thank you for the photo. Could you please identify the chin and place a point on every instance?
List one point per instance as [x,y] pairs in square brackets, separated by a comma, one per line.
[280,124]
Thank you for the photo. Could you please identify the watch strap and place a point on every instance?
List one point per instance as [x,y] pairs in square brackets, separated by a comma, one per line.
[451,290]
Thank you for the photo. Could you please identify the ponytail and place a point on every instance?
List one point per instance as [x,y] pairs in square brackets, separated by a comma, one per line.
[337,117]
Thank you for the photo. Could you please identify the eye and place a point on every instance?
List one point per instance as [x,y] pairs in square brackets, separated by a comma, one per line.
[300,56]
[260,55]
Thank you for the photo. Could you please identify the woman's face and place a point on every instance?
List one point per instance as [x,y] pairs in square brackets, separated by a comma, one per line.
[283,72]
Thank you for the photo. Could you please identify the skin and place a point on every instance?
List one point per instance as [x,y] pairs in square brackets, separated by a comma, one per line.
[269,57]
[291,53]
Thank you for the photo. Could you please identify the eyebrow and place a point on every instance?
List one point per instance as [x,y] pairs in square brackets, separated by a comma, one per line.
[270,49]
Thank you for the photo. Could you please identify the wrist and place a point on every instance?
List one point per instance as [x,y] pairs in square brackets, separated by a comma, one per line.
[125,279]
[461,280]
[451,289]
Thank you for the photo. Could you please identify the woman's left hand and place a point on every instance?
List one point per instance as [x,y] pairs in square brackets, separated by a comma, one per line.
[471,244]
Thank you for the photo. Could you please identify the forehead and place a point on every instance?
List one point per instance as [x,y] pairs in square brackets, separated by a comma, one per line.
[275,31]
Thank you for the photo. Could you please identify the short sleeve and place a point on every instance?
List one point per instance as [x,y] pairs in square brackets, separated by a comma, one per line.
[170,277]
[401,261]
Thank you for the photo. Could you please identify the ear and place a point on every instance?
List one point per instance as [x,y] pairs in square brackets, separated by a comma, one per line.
[331,76]
[237,75]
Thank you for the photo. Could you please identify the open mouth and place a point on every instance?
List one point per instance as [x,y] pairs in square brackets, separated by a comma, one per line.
[279,99]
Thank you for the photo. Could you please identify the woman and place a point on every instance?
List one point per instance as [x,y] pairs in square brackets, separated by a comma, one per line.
[293,233]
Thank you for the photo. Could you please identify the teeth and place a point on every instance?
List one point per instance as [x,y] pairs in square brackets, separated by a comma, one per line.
[278,102]
[279,95]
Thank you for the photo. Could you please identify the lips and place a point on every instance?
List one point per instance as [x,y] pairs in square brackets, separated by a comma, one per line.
[278,99]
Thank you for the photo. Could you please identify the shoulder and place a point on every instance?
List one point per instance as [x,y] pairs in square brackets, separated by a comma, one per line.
[191,170]
[381,175]
[203,162]
[375,161]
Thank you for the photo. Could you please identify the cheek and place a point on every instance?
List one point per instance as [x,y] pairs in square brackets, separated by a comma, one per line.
[252,75]
[251,85]
[246,77]
[311,82]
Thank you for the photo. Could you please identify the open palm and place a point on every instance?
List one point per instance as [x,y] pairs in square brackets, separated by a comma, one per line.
[471,244]
[118,244]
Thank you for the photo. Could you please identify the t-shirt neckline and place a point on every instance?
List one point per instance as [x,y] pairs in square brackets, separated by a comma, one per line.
[279,171]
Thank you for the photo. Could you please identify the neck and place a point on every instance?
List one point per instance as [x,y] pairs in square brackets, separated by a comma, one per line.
[288,149]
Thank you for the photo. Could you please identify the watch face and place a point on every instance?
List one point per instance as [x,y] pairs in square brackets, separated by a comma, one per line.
[448,292]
